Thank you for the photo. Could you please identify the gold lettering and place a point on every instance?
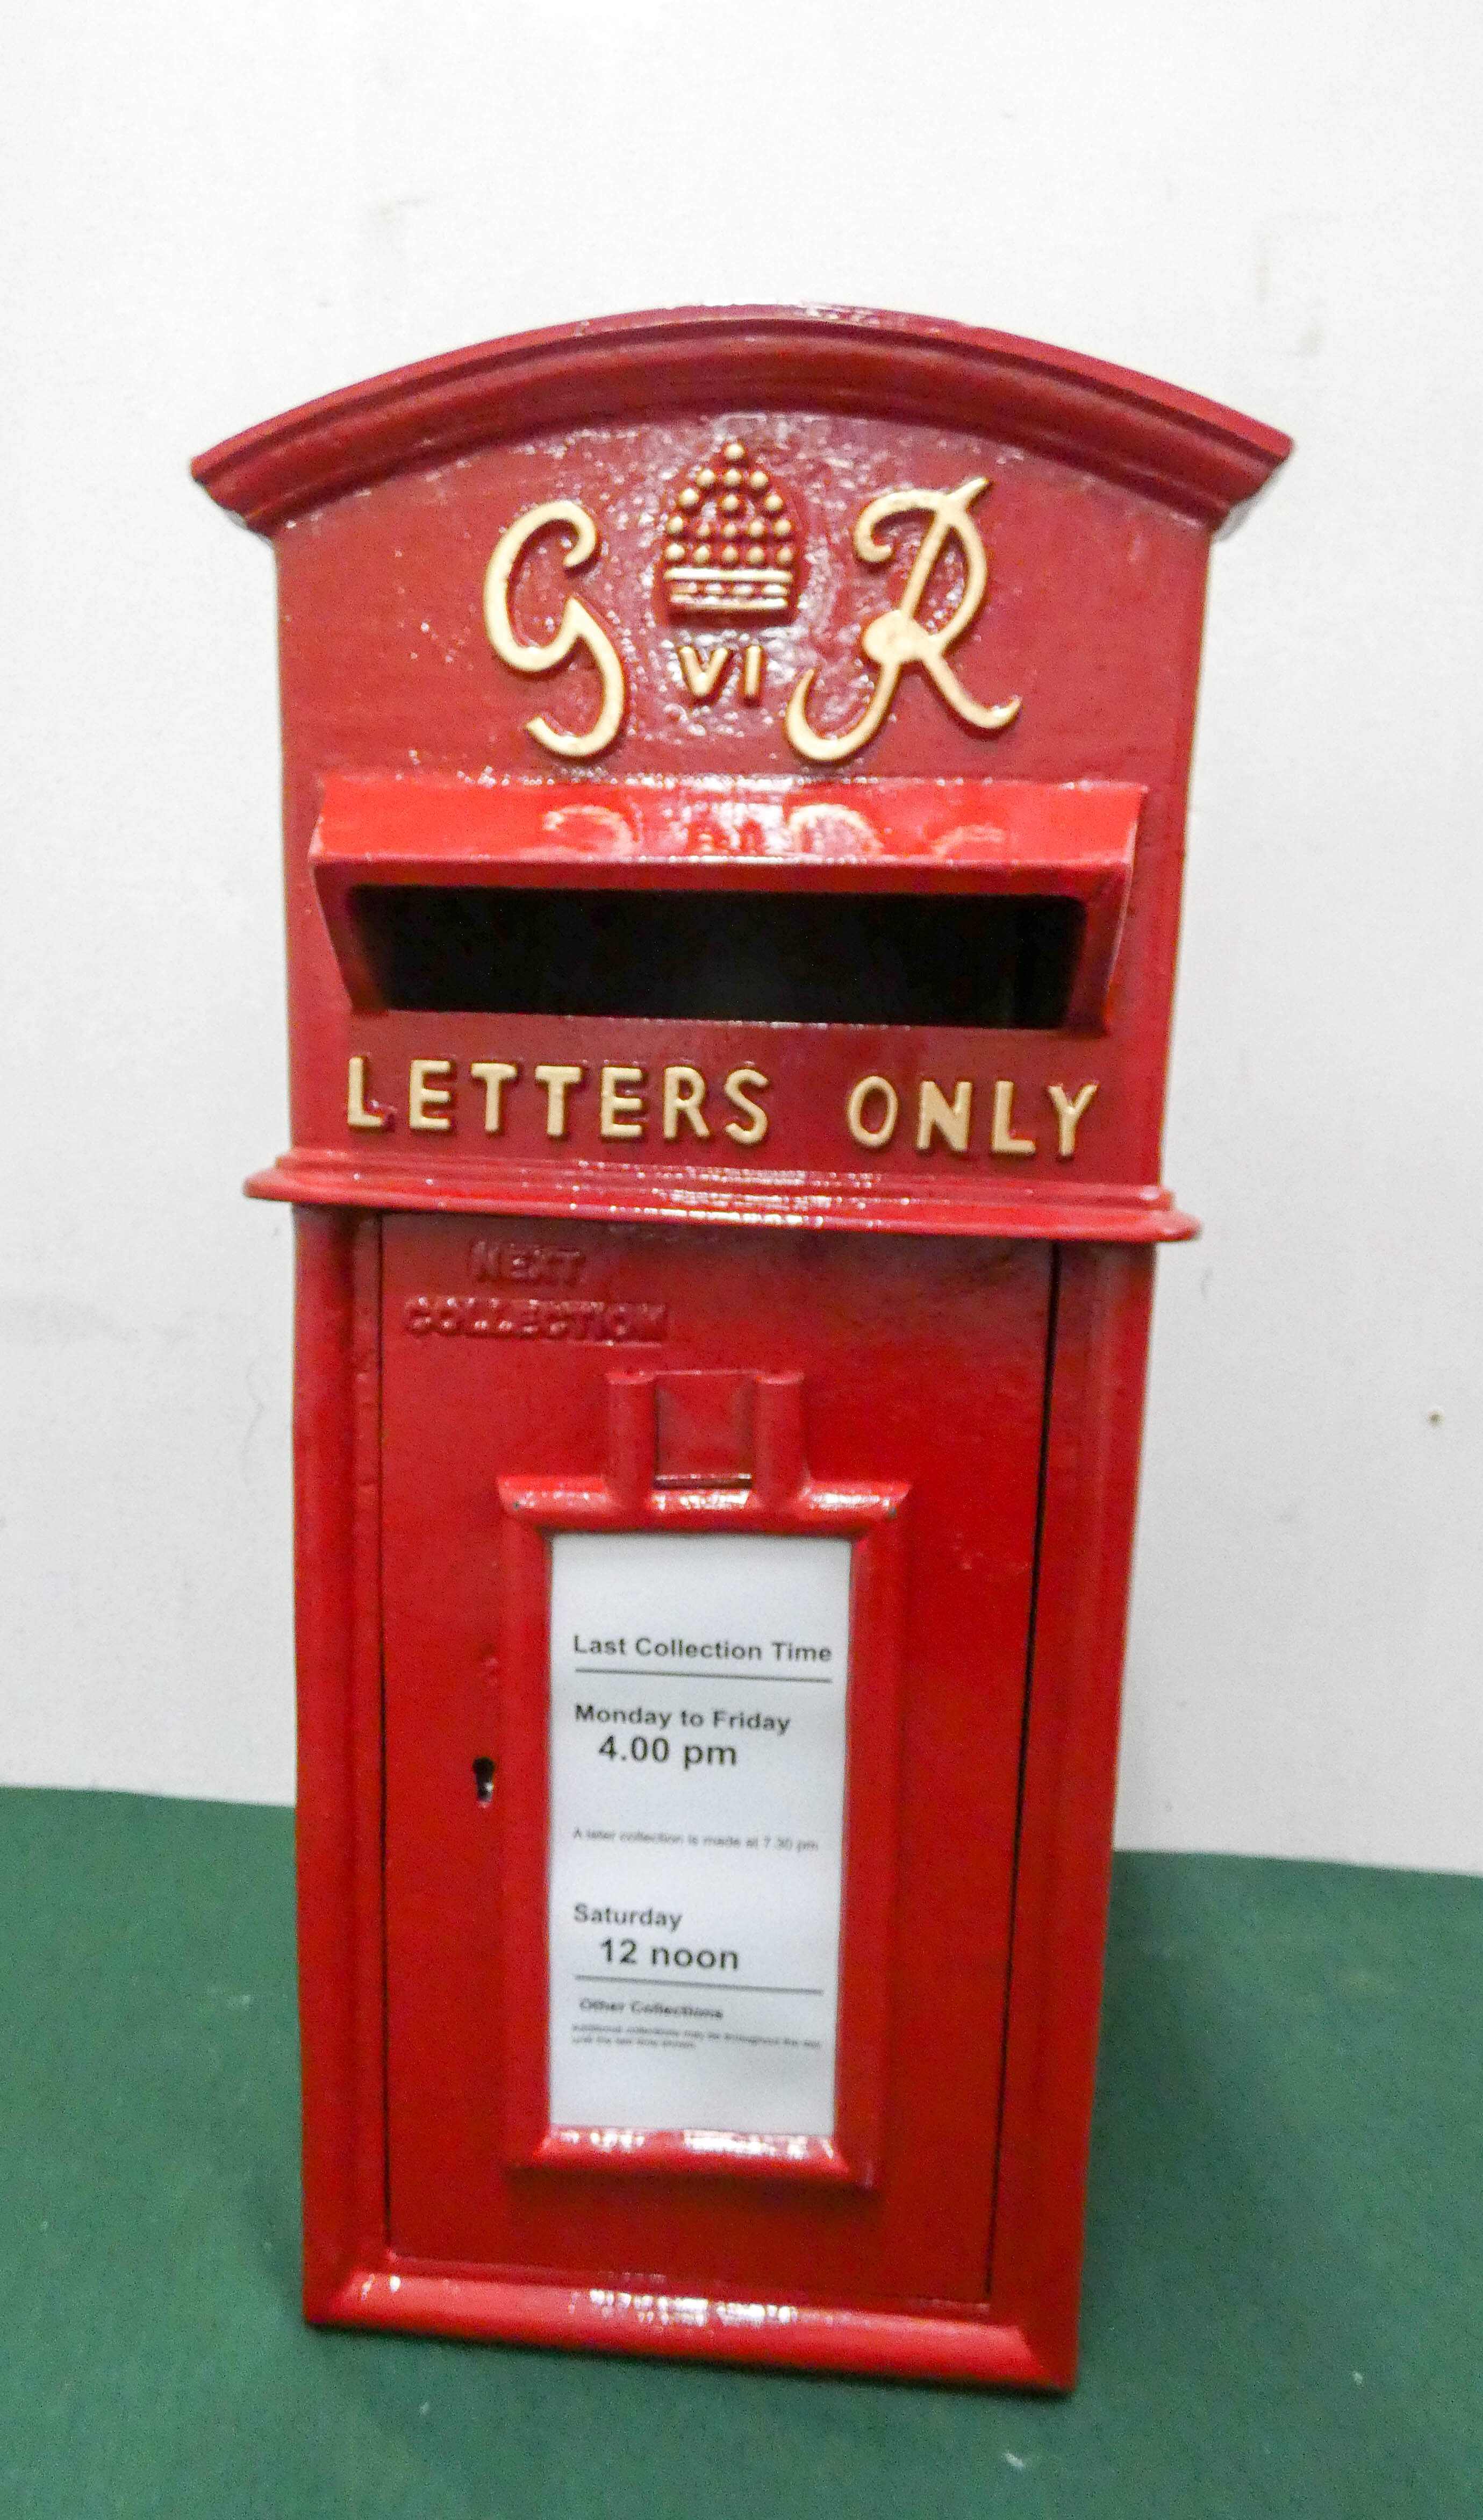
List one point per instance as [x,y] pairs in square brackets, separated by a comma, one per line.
[896,638]
[751,1128]
[1001,1138]
[701,681]
[361,1110]
[751,672]
[854,1111]
[684,1095]
[615,1106]
[951,1120]
[1068,1114]
[494,1075]
[428,1103]
[556,1081]
[577,627]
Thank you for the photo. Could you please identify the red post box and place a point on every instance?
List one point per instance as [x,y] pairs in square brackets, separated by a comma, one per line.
[735,774]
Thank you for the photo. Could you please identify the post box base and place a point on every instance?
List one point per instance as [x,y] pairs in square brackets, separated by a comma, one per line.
[364,2268]
[892,2345]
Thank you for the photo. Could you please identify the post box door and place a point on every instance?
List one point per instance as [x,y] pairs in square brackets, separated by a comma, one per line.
[521,1363]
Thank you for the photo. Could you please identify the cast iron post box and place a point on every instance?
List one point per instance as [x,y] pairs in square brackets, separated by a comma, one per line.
[734,773]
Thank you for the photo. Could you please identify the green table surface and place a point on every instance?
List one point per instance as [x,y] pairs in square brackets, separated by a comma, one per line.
[1285,2267]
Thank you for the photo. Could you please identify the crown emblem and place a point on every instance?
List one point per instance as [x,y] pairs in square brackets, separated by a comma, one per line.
[729,548]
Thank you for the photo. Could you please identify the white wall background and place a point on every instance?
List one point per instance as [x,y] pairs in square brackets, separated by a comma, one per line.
[206,216]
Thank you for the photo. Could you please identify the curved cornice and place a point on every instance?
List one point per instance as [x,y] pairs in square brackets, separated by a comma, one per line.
[1191,454]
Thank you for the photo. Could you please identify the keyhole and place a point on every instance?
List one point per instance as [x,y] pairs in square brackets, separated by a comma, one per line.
[483,1780]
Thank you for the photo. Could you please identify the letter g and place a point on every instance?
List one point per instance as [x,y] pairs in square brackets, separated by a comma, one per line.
[577,627]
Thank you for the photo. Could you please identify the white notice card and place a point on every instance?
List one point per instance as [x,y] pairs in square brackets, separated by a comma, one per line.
[698,1703]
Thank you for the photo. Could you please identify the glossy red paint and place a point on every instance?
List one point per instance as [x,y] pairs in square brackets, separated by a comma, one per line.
[507,1292]
[904,1383]
[1068,843]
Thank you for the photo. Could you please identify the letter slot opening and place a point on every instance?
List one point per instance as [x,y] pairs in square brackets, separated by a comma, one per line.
[972,958]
